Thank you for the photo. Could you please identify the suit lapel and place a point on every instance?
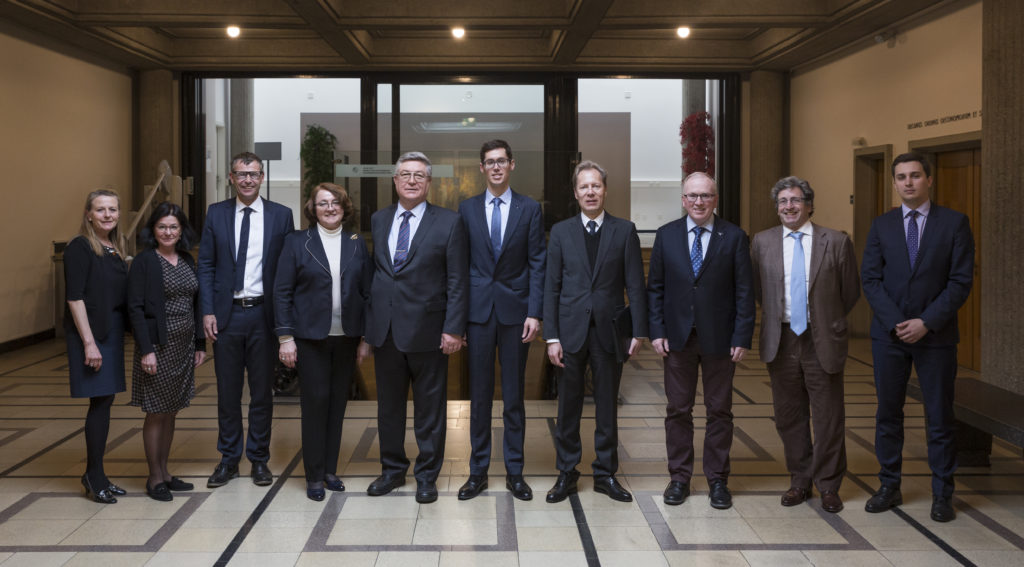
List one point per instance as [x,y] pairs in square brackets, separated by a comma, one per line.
[266,229]
[381,245]
[478,219]
[608,230]
[925,243]
[578,243]
[315,248]
[714,243]
[230,215]
[819,247]
[515,210]
[421,233]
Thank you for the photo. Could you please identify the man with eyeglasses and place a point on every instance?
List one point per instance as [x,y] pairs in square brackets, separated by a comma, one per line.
[416,318]
[806,280]
[702,321]
[506,296]
[241,241]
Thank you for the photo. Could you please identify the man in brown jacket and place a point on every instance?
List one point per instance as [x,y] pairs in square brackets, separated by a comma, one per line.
[806,280]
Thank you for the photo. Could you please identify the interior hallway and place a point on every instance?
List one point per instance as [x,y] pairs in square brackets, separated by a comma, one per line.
[45,520]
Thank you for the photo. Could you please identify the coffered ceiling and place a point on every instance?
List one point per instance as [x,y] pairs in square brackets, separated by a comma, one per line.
[311,36]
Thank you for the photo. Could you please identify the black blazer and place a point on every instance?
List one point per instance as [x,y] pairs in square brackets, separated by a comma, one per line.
[302,289]
[146,307]
[574,292]
[428,295]
[91,279]
[718,301]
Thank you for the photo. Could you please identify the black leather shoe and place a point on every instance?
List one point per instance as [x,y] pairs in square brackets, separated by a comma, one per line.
[517,485]
[610,486]
[473,487]
[831,502]
[721,499]
[315,491]
[261,475]
[333,483]
[221,475]
[942,509]
[160,492]
[795,495]
[178,485]
[564,486]
[676,493]
[104,496]
[887,497]
[116,490]
[384,484]
[426,492]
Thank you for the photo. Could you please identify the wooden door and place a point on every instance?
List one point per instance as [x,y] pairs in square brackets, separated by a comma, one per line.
[958,186]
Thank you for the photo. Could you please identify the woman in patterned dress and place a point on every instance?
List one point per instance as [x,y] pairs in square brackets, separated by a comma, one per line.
[94,276]
[163,296]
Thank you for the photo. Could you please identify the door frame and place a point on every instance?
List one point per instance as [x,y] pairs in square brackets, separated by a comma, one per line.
[864,212]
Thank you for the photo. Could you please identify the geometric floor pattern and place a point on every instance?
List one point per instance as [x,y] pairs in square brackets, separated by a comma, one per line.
[44,520]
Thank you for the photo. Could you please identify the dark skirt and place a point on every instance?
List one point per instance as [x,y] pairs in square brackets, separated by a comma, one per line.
[109,379]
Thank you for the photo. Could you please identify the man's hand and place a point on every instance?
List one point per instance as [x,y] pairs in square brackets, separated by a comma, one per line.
[288,354]
[634,345]
[450,343]
[911,331]
[555,354]
[530,329]
[660,346]
[737,353]
[363,352]
[210,327]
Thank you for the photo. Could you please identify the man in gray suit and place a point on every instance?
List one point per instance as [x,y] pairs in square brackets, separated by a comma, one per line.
[592,258]
[416,318]
[806,280]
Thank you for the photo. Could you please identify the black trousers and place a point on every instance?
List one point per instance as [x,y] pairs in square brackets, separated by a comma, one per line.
[247,344]
[428,374]
[325,371]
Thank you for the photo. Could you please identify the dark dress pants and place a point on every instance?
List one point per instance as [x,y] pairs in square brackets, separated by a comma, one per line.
[936,371]
[681,390]
[802,394]
[428,373]
[246,344]
[325,378]
[482,339]
[607,373]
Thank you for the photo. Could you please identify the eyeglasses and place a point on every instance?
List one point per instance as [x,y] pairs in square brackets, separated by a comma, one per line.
[247,174]
[500,162]
[791,201]
[693,197]
[407,175]
[168,228]
[329,205]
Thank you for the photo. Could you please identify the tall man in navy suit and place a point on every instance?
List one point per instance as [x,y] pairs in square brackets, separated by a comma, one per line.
[506,296]
[592,259]
[238,253]
[917,271]
[702,316]
[416,318]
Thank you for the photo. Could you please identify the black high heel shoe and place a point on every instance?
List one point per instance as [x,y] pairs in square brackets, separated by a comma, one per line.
[103,496]
[116,490]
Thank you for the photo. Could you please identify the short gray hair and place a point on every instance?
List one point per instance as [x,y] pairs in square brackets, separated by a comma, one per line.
[413,156]
[587,164]
[793,182]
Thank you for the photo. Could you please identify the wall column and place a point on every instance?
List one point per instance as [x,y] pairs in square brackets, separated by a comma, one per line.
[157,129]
[768,144]
[241,130]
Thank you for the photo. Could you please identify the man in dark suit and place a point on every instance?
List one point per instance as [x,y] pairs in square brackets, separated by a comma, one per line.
[416,318]
[506,295]
[592,258]
[238,253]
[917,271]
[702,315]
[805,278]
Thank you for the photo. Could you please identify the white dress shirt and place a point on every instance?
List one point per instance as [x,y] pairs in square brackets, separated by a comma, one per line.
[506,203]
[599,220]
[922,217]
[787,262]
[705,237]
[254,253]
[396,223]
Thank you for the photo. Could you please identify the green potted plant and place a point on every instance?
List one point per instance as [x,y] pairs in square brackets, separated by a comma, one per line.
[317,153]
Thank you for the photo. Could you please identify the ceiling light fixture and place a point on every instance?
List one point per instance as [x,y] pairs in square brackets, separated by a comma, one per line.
[683,31]
[234,31]
[458,33]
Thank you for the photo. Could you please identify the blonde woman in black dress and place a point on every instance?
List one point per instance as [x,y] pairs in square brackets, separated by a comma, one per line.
[94,276]
[163,295]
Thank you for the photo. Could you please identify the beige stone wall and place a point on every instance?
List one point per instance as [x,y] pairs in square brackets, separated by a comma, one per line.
[931,71]
[67,129]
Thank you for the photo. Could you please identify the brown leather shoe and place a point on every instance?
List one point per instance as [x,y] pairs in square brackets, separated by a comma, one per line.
[795,496]
[831,502]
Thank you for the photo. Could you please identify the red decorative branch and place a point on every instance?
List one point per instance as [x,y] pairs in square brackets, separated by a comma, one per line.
[698,141]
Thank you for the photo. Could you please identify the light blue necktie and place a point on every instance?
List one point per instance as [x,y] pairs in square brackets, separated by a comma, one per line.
[798,287]
[697,250]
[496,227]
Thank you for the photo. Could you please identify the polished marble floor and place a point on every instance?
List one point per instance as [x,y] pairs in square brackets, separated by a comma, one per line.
[45,520]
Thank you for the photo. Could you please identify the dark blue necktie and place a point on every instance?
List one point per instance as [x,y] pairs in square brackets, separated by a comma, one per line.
[798,287]
[592,227]
[496,227]
[912,237]
[697,250]
[402,247]
[243,251]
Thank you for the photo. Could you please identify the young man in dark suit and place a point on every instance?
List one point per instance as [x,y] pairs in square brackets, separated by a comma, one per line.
[506,294]
[917,271]
[702,317]
[416,318]
[592,259]
[241,241]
